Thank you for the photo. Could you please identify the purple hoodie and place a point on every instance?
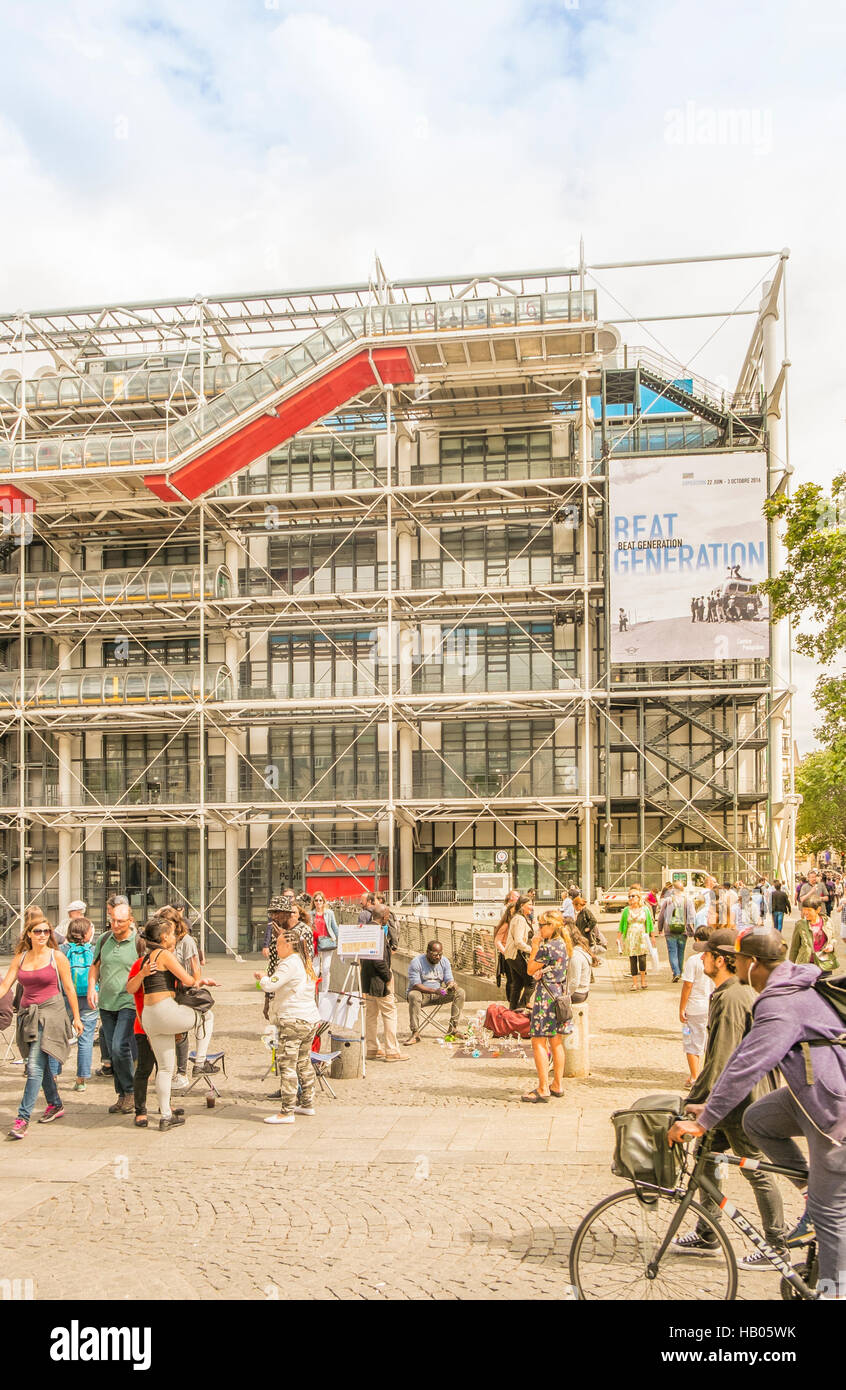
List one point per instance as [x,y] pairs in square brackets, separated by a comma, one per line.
[786,1013]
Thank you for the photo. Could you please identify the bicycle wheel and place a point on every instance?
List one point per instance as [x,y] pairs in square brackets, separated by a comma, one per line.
[808,1270]
[615,1242]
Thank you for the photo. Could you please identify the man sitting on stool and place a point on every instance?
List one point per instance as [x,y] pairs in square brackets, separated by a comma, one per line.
[430,981]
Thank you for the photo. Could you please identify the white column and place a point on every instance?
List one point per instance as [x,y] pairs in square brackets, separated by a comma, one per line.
[235,559]
[585,442]
[69,861]
[405,735]
[64,751]
[779,632]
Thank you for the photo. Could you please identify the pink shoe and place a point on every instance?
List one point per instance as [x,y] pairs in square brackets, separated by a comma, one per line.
[19,1129]
[53,1112]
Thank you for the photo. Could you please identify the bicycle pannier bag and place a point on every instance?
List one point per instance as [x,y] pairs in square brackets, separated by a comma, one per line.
[641,1151]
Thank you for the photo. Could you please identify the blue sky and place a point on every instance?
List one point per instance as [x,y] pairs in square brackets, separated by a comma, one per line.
[149,149]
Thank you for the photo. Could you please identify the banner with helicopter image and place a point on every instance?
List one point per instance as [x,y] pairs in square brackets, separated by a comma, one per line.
[688,541]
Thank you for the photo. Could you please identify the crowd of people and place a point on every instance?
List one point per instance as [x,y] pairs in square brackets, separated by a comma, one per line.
[61,984]
[146,988]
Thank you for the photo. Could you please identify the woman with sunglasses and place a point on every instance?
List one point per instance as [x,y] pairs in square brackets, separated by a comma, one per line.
[325,933]
[43,1028]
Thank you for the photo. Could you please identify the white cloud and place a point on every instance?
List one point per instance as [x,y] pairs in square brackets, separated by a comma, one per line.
[149,149]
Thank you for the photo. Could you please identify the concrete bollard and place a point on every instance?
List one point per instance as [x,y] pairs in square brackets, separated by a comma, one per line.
[577,1043]
[348,1066]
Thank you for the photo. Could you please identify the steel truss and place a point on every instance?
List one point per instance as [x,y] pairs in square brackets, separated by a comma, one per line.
[462,389]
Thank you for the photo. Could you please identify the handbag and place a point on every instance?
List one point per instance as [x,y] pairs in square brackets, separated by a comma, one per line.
[561,1005]
[195,997]
[326,943]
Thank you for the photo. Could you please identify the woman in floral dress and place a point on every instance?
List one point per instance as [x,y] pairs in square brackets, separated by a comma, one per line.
[547,964]
[636,926]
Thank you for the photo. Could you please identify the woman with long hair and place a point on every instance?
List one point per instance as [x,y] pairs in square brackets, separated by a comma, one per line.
[290,989]
[509,907]
[547,963]
[188,955]
[324,929]
[163,1018]
[517,947]
[43,1029]
[79,953]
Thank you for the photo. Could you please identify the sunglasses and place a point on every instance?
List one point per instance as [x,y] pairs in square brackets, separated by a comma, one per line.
[39,931]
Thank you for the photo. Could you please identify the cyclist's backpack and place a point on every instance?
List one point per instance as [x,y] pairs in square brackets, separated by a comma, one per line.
[80,957]
[832,988]
[641,1151]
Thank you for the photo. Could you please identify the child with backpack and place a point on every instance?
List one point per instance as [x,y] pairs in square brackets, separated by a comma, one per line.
[80,954]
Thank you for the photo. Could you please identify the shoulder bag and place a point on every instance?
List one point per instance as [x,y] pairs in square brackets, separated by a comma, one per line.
[561,1006]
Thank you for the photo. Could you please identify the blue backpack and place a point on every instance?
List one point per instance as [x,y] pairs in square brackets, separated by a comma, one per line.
[79,957]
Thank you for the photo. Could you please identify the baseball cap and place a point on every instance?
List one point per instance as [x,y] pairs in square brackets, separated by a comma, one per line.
[722,942]
[760,945]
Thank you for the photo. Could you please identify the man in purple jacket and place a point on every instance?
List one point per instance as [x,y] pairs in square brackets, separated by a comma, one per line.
[788,1014]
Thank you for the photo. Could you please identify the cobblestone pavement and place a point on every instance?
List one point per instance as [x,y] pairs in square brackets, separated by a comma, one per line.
[425,1180]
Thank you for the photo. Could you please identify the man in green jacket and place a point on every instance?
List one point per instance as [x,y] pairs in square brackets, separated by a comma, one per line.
[729,1020]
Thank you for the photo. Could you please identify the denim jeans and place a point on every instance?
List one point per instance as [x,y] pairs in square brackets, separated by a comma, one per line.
[117,1024]
[85,1045]
[41,1070]
[675,952]
[778,920]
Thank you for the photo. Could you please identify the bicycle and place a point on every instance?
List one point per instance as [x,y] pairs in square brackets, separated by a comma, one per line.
[623,1248]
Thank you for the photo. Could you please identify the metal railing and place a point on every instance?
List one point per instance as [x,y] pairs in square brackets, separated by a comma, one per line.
[468,946]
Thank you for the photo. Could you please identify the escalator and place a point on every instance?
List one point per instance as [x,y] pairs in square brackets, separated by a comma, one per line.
[278,400]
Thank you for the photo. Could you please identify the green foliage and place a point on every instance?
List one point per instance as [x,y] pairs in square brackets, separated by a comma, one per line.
[821,780]
[811,589]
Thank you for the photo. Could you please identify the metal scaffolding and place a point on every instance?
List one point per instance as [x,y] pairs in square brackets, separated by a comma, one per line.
[164,651]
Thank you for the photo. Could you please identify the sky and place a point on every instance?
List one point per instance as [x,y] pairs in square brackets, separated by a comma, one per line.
[152,149]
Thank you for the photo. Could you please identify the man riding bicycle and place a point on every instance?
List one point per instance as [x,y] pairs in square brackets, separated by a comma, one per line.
[729,1022]
[788,1014]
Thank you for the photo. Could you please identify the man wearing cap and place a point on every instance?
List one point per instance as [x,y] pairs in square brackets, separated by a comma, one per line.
[729,1020]
[280,903]
[794,1029]
[75,911]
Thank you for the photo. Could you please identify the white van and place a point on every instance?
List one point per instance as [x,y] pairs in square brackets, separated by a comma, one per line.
[691,881]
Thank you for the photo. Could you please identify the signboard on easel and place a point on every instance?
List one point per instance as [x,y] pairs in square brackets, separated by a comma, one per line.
[361,942]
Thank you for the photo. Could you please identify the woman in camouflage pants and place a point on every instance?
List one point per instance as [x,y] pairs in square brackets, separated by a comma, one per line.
[294,1012]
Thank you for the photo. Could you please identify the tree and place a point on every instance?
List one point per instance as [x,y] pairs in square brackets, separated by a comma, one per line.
[821,780]
[811,589]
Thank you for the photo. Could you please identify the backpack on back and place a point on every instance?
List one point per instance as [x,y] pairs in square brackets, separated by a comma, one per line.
[833,991]
[677,924]
[80,957]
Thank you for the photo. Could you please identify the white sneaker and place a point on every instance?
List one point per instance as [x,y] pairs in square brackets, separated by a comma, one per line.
[303,1109]
[179,1083]
[279,1119]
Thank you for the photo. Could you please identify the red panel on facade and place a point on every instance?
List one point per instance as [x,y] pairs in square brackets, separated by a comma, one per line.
[14,499]
[156,483]
[339,885]
[394,365]
[338,385]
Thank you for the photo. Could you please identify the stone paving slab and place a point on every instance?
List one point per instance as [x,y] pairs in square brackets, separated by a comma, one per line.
[403,1187]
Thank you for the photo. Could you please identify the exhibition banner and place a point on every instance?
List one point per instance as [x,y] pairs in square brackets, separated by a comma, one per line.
[688,543]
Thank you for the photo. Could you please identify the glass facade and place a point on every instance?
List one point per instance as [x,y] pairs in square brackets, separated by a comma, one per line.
[489,600]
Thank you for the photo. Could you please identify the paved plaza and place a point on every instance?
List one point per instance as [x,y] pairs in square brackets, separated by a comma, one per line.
[424,1180]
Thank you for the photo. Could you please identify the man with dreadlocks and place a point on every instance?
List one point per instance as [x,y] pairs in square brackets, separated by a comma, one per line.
[293,1010]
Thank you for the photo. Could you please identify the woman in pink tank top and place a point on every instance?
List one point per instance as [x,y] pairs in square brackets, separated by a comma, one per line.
[43,974]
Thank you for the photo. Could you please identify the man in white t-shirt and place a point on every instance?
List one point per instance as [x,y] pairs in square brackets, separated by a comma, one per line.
[696,992]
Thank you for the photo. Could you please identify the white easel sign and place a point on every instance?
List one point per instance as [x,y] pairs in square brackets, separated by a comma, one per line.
[366,942]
